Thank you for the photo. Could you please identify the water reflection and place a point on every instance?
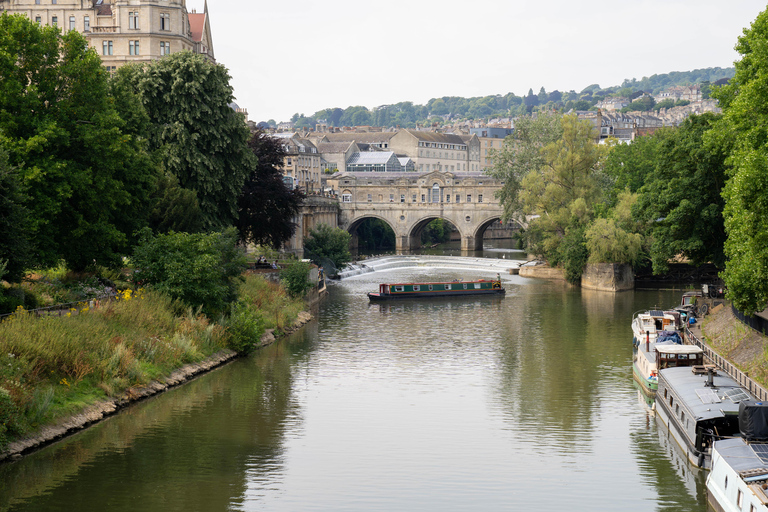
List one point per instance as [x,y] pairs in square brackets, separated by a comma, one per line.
[518,403]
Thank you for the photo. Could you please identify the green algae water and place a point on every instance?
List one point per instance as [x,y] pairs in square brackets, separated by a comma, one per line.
[469,404]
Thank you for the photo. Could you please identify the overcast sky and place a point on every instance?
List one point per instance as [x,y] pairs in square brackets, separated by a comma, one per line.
[303,56]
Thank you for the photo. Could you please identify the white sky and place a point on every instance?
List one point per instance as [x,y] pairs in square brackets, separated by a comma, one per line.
[302,56]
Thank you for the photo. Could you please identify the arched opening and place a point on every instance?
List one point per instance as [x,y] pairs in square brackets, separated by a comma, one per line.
[371,235]
[495,236]
[434,232]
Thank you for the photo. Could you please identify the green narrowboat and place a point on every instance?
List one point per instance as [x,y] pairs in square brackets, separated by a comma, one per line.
[449,289]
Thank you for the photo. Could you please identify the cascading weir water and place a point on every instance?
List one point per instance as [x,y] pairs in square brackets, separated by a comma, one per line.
[501,266]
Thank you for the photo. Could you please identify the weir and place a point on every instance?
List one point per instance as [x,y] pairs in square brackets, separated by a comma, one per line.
[501,266]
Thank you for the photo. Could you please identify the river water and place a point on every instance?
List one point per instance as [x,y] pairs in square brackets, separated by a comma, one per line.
[518,403]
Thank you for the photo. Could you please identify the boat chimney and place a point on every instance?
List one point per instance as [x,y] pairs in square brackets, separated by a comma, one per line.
[710,378]
[647,341]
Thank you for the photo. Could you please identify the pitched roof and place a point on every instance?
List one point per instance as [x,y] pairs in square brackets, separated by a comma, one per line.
[367,137]
[370,158]
[444,138]
[197,25]
[333,147]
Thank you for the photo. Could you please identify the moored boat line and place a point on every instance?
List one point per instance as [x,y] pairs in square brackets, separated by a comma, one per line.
[456,288]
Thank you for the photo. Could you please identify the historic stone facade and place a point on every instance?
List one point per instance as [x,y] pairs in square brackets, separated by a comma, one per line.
[315,210]
[409,201]
[124,31]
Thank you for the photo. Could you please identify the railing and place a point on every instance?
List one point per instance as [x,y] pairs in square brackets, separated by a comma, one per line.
[68,307]
[742,378]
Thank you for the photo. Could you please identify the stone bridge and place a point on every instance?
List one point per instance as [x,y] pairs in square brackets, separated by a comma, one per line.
[408,201]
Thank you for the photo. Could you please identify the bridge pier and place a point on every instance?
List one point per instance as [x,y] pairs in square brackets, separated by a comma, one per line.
[472,243]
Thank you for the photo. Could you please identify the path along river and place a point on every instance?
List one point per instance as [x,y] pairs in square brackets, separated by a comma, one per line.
[473,404]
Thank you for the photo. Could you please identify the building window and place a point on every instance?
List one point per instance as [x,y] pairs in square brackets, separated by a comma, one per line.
[435,193]
[133,48]
[423,198]
[165,21]
[53,2]
[413,198]
[391,198]
[38,20]
[458,198]
[447,198]
[165,47]
[133,20]
[37,2]
[86,23]
[469,198]
[402,198]
[71,23]
[370,198]
[55,21]
[480,198]
[106,47]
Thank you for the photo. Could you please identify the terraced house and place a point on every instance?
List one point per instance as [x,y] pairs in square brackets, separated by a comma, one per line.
[124,31]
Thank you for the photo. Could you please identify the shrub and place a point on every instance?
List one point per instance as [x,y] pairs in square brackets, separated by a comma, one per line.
[200,269]
[296,278]
[12,421]
[245,327]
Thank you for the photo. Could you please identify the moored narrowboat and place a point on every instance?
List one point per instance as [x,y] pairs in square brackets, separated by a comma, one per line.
[439,289]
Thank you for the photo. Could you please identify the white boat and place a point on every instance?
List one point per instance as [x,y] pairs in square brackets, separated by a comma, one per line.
[649,358]
[738,480]
[698,405]
[646,325]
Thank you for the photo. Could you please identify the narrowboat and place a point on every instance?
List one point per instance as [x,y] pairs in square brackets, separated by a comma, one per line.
[667,352]
[699,405]
[646,325]
[738,480]
[444,289]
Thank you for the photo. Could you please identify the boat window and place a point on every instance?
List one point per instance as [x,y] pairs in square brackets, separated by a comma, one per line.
[430,287]
[416,287]
[682,417]
[447,287]
[399,288]
[465,286]
[477,286]
[739,498]
[677,408]
[726,483]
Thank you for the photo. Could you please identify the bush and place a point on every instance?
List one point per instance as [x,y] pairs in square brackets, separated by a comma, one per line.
[200,269]
[245,327]
[296,278]
[12,422]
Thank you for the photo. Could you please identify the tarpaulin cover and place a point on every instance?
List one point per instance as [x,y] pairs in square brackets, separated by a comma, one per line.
[668,336]
[753,420]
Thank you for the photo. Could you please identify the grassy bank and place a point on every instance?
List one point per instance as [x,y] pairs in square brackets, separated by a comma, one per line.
[52,367]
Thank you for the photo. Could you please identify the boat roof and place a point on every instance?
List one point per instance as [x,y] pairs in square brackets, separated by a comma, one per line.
[439,282]
[742,456]
[678,349]
[705,402]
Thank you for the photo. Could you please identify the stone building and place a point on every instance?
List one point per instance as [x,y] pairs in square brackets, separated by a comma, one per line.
[433,151]
[490,138]
[123,31]
[301,164]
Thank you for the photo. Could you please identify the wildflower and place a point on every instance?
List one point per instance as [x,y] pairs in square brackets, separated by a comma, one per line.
[64,382]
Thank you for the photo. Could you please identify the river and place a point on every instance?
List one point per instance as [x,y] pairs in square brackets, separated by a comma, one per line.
[518,403]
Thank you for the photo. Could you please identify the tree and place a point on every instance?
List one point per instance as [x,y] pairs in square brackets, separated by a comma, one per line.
[15,245]
[267,207]
[201,140]
[563,191]
[744,125]
[681,201]
[520,155]
[296,278]
[199,269]
[628,165]
[328,245]
[87,178]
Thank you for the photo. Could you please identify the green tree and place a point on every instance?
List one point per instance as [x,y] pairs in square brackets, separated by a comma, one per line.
[86,176]
[745,111]
[681,201]
[199,269]
[520,155]
[15,245]
[328,245]
[295,277]
[200,139]
[628,165]
[563,192]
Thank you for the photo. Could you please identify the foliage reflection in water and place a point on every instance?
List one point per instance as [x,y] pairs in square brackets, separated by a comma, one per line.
[518,403]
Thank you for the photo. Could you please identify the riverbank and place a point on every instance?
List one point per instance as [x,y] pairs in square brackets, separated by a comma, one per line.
[100,410]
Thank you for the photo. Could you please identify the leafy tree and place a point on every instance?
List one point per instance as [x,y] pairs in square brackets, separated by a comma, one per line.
[325,243]
[744,125]
[267,206]
[199,269]
[86,176]
[437,231]
[521,155]
[375,234]
[668,103]
[680,203]
[202,141]
[582,105]
[174,208]
[15,245]
[563,192]
[628,165]
[296,278]
[614,239]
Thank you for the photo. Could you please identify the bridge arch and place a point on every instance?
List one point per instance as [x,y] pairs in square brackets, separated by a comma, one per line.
[357,222]
[413,232]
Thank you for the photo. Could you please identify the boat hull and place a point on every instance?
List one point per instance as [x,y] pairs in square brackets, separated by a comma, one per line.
[376,296]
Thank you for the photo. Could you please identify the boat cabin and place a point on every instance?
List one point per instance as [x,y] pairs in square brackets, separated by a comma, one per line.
[671,356]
